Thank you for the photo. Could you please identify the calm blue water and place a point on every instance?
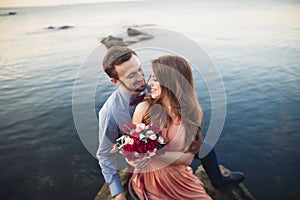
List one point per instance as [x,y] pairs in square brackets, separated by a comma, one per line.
[256,47]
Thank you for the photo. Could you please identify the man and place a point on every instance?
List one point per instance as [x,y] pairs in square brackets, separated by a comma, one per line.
[124,69]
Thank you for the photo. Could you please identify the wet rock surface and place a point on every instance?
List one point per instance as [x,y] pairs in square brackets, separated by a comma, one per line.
[231,192]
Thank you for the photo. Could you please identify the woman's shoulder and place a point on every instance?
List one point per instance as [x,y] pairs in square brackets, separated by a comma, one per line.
[142,107]
[139,112]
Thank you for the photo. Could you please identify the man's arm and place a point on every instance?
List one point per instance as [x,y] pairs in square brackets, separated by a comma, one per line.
[108,132]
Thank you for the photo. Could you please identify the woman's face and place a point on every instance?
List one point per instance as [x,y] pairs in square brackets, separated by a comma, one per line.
[155,86]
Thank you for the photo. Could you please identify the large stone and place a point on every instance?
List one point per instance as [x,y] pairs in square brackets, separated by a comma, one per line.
[65,27]
[59,27]
[232,192]
[9,13]
[134,32]
[134,36]
[110,41]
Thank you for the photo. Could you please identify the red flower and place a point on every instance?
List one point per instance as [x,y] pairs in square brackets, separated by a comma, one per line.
[151,144]
[141,148]
[144,141]
[124,133]
[128,148]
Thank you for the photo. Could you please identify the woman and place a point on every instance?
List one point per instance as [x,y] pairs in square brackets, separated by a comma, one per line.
[174,107]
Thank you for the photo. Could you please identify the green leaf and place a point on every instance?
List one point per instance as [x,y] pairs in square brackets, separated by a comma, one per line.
[115,149]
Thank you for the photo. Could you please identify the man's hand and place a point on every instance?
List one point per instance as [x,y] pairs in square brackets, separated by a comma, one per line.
[121,196]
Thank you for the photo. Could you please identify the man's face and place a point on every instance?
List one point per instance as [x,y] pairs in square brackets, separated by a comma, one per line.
[131,76]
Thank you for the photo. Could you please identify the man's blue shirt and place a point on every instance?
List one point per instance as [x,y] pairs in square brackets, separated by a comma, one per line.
[113,115]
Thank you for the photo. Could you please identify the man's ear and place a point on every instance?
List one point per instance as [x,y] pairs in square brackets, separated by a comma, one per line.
[114,81]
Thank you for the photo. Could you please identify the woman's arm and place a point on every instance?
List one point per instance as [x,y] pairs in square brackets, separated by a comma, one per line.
[176,158]
[168,158]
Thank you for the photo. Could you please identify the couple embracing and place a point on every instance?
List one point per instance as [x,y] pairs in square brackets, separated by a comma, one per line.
[169,101]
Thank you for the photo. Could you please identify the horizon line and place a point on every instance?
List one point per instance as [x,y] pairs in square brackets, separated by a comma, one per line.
[68,4]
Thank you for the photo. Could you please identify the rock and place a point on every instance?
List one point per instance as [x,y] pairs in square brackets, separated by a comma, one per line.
[59,27]
[232,192]
[110,41]
[138,38]
[134,32]
[7,14]
[65,27]
[134,36]
[104,193]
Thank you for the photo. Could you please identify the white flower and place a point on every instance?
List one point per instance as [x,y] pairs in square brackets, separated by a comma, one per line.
[161,140]
[142,136]
[150,132]
[152,153]
[129,140]
[153,137]
[140,126]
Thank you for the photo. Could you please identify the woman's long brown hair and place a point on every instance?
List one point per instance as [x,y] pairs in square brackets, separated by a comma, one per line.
[176,80]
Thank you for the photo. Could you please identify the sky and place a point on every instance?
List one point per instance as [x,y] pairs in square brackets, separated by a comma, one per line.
[30,3]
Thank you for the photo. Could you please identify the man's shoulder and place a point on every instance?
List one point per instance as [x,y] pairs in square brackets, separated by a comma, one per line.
[109,104]
[106,115]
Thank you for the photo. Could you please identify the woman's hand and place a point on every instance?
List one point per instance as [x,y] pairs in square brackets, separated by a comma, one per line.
[139,163]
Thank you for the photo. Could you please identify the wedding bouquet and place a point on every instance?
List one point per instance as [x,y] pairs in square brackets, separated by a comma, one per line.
[138,141]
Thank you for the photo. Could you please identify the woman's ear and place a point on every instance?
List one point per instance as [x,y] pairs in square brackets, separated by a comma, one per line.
[114,81]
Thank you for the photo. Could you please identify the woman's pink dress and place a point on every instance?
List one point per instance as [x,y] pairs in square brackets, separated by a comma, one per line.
[170,181]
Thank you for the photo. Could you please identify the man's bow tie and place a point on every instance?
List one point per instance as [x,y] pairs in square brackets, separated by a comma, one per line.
[137,99]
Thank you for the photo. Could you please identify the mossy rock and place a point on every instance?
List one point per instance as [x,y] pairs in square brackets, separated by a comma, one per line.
[232,192]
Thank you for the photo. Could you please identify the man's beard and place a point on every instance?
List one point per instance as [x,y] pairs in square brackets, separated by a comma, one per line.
[140,89]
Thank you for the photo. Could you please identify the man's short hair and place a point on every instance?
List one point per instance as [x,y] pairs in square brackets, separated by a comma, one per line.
[116,55]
